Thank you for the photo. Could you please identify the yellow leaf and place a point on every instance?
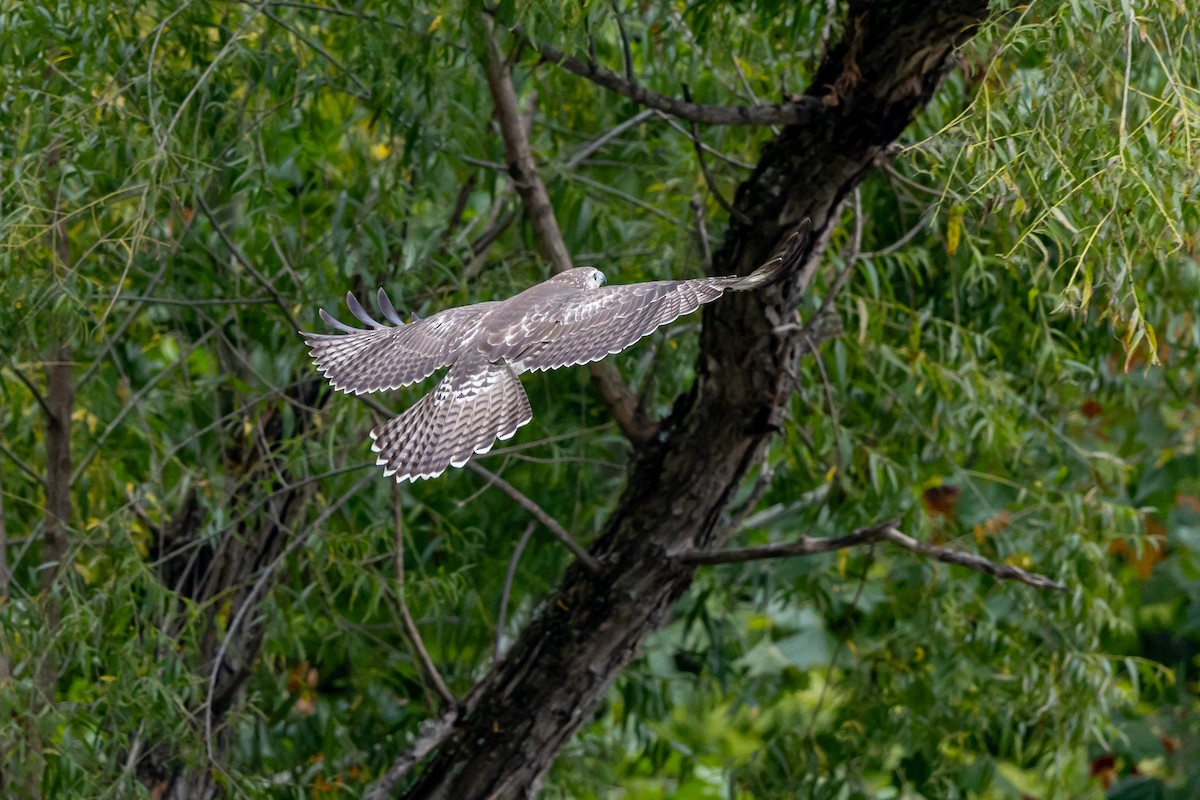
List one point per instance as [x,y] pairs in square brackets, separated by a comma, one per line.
[223,614]
[434,25]
[85,572]
[108,678]
[954,230]
[1152,339]
[830,473]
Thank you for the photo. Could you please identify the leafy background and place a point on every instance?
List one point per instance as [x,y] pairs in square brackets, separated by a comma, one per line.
[1016,376]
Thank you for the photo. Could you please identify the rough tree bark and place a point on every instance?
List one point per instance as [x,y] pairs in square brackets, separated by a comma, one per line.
[681,484]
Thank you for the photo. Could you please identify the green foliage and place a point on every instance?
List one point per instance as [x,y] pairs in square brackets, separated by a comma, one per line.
[1017,378]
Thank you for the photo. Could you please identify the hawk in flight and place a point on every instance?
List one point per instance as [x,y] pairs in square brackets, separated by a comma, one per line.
[573,318]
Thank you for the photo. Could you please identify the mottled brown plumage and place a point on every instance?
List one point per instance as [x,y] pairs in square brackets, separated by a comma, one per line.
[570,319]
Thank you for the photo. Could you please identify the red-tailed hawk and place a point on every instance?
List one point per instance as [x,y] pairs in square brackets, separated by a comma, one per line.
[573,318]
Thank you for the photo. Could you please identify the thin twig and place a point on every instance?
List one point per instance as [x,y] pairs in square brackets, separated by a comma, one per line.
[460,205]
[37,395]
[891,170]
[432,733]
[410,627]
[483,162]
[702,232]
[886,531]
[607,136]
[896,245]
[628,198]
[132,404]
[5,665]
[267,285]
[334,10]
[827,390]
[708,176]
[219,301]
[316,46]
[674,125]
[134,313]
[508,581]
[972,561]
[538,513]
[772,114]
[627,52]
[21,464]
[849,260]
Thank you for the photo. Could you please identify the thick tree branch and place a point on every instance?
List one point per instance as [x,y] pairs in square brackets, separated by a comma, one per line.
[628,413]
[774,114]
[886,531]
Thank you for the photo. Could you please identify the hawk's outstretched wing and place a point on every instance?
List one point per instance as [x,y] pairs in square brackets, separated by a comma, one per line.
[598,323]
[473,406]
[390,356]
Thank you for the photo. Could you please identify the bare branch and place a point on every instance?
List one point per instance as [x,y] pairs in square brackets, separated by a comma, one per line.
[772,114]
[896,245]
[702,231]
[410,626]
[219,301]
[325,54]
[712,151]
[334,10]
[538,513]
[627,52]
[884,531]
[595,144]
[972,561]
[266,284]
[708,177]
[508,581]
[433,733]
[21,464]
[5,664]
[37,395]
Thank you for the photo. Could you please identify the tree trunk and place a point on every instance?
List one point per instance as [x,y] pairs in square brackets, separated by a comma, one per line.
[886,67]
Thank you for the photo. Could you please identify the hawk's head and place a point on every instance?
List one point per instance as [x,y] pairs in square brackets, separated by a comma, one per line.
[581,278]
